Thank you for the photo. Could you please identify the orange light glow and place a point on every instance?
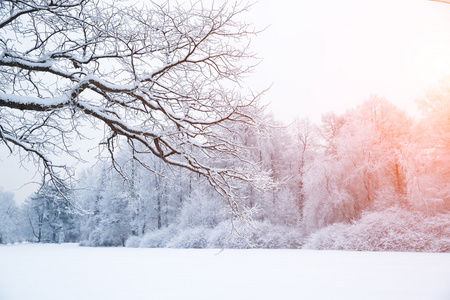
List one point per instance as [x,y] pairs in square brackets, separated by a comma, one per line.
[430,60]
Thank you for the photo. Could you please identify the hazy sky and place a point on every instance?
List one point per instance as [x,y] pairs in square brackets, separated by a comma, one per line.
[330,55]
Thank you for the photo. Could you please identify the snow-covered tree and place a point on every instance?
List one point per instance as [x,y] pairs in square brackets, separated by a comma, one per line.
[9,219]
[161,79]
[327,199]
[361,167]
[329,130]
[49,216]
[105,195]
[306,138]
[427,157]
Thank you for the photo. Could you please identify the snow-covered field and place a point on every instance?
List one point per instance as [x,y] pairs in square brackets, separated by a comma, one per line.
[47,272]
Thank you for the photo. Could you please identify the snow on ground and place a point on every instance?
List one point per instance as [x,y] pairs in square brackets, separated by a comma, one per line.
[38,272]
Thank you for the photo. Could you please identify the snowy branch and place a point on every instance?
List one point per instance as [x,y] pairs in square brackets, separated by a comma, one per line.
[165,79]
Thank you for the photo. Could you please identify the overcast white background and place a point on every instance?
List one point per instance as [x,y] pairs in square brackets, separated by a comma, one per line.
[330,55]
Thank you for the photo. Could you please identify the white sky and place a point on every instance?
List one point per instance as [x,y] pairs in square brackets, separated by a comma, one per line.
[330,55]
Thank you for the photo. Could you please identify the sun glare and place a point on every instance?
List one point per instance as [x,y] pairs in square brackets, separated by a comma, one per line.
[431,61]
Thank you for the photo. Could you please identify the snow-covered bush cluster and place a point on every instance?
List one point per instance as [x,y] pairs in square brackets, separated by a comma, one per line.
[394,229]
[223,235]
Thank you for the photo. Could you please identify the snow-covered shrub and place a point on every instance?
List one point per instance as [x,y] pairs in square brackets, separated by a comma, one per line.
[393,229]
[223,236]
[271,236]
[133,242]
[327,238]
[158,238]
[108,235]
[190,238]
[93,239]
[263,235]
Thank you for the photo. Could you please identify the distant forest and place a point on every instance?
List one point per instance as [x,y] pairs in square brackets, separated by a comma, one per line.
[372,178]
[194,159]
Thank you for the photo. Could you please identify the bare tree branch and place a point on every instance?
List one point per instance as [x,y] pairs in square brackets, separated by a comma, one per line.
[167,80]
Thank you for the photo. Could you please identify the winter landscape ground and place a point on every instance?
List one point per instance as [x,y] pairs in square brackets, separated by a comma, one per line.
[67,271]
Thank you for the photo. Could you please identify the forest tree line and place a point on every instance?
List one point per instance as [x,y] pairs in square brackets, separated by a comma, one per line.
[372,178]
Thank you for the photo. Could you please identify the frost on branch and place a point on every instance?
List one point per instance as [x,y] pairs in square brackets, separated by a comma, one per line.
[164,80]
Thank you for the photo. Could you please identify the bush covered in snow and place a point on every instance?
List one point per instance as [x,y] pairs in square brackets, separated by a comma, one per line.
[273,236]
[393,229]
[155,239]
[196,237]
[264,235]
